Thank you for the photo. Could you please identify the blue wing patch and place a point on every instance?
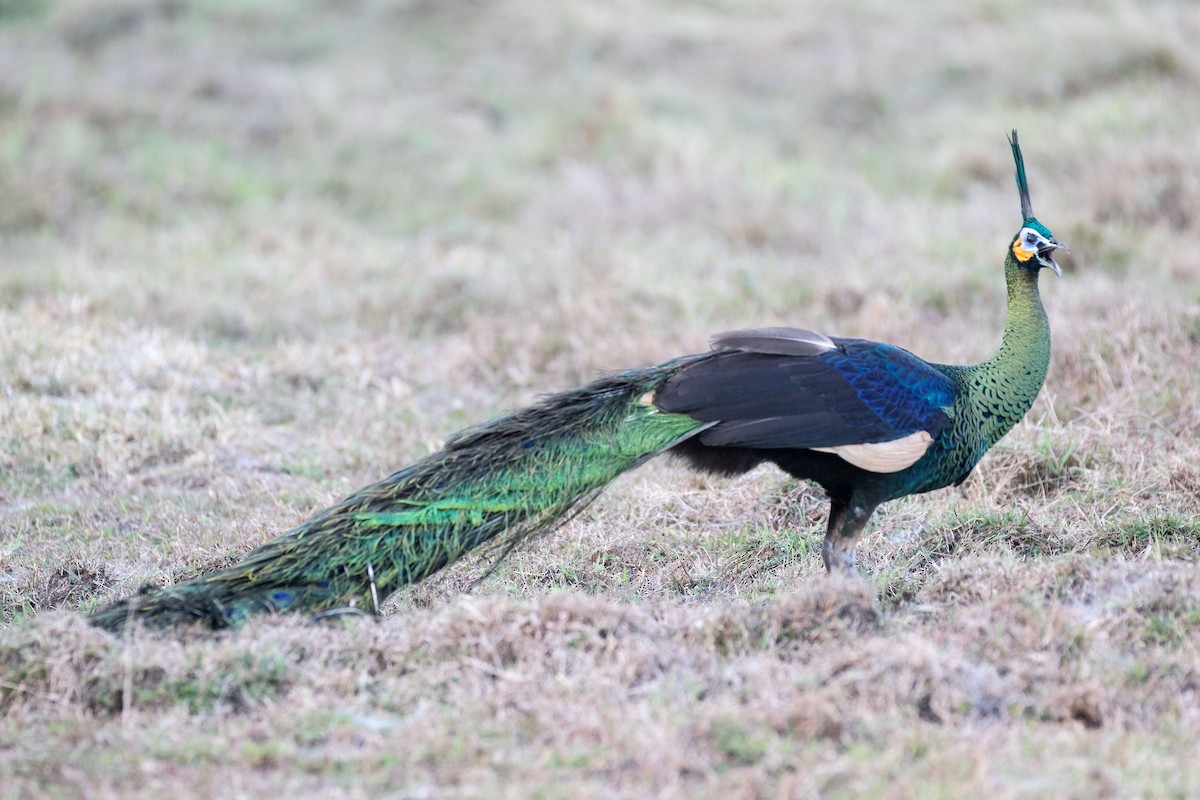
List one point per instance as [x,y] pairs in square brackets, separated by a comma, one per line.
[898,387]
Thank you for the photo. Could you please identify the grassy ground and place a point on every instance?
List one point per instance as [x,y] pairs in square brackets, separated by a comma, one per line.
[252,258]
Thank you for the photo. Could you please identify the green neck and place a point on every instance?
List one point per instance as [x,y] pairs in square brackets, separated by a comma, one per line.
[1007,383]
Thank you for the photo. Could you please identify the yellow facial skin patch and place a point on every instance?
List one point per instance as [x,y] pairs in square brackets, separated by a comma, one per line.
[1020,252]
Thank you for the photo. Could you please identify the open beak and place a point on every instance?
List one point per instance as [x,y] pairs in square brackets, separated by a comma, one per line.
[1046,254]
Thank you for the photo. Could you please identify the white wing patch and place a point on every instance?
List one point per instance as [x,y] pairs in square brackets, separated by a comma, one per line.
[890,456]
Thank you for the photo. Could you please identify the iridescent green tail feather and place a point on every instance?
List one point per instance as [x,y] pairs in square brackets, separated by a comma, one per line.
[499,483]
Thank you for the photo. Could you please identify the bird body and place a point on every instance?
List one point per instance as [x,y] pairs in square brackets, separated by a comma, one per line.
[869,422]
[890,424]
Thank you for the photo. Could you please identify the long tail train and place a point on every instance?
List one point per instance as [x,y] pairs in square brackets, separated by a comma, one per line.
[500,482]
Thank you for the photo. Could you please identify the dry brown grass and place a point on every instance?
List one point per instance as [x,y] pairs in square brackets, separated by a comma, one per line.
[253,258]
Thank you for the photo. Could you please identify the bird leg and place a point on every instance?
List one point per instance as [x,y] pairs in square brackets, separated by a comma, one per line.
[847,519]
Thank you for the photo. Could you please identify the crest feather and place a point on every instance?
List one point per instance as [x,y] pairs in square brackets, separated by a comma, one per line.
[1022,182]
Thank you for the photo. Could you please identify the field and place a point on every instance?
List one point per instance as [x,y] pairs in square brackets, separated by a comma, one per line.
[255,255]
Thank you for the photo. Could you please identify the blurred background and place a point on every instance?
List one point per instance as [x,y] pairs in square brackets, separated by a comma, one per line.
[254,255]
[627,175]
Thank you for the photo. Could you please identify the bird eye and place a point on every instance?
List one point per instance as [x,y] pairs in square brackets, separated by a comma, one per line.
[1030,238]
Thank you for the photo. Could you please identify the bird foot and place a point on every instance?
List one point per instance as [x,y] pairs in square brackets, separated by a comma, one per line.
[838,558]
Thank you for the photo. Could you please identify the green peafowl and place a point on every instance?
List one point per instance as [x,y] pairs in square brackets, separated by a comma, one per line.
[869,422]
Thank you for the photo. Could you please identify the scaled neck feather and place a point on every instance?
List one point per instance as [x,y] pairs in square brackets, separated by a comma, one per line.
[1007,383]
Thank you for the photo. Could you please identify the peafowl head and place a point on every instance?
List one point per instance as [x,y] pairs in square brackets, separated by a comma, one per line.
[1034,245]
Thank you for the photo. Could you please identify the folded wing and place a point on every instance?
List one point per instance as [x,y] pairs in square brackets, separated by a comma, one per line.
[875,405]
